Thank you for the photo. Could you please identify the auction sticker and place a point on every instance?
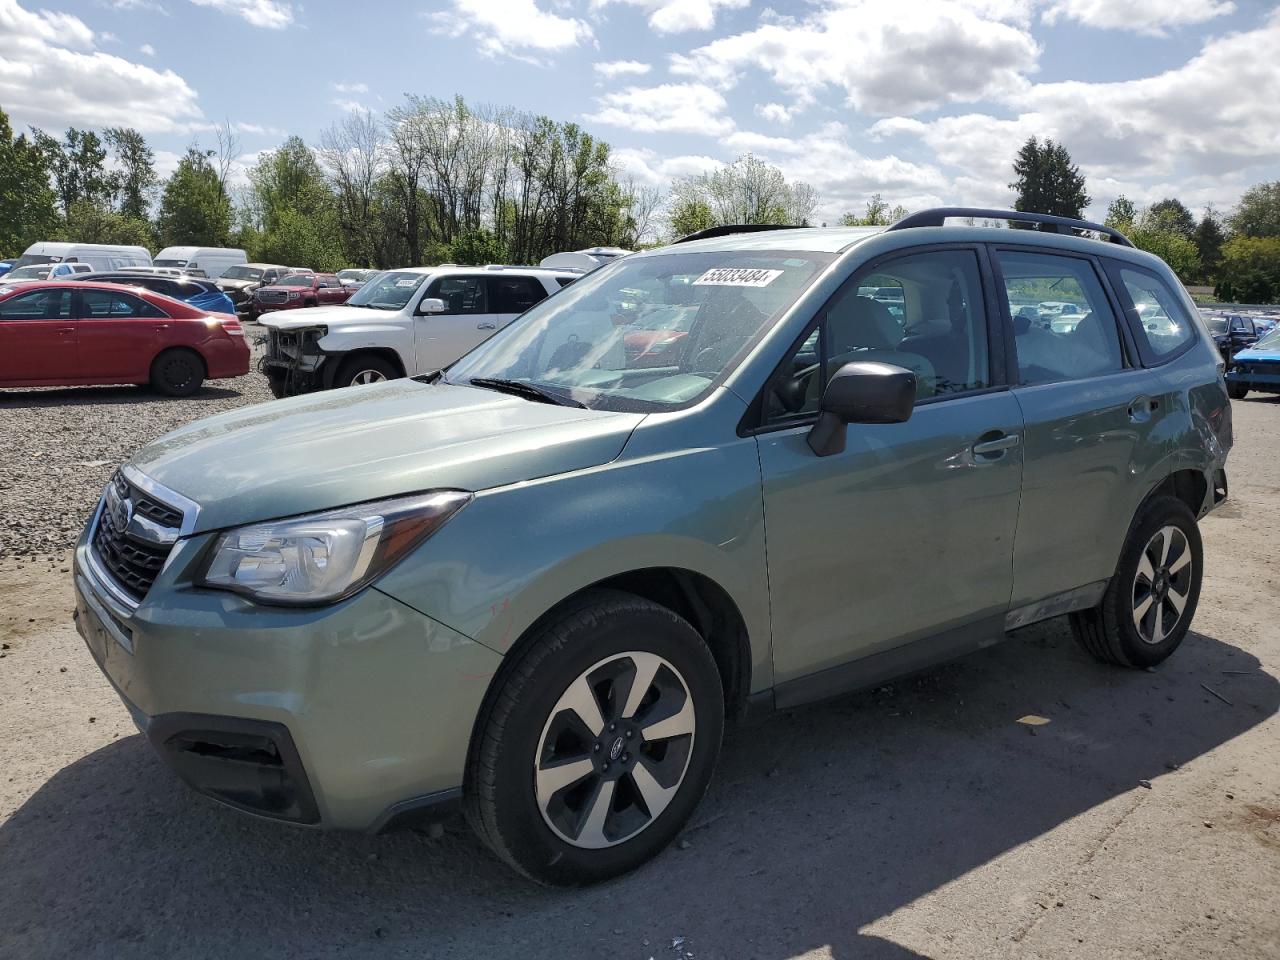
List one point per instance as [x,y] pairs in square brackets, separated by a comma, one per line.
[737,277]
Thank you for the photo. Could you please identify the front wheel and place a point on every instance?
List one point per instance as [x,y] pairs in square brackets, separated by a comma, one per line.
[363,369]
[1237,391]
[598,743]
[1150,601]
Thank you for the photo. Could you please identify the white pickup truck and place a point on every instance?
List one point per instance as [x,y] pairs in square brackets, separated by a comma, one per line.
[401,323]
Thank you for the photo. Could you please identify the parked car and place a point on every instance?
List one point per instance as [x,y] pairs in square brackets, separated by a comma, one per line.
[240,282]
[201,294]
[5,267]
[1256,367]
[75,333]
[403,323]
[46,271]
[99,256]
[298,290]
[582,261]
[200,261]
[354,278]
[537,583]
[1231,333]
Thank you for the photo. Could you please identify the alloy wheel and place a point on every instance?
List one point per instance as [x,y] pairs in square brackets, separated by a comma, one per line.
[368,376]
[615,749]
[1162,585]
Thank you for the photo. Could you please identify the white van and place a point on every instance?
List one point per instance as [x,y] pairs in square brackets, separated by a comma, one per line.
[209,262]
[100,256]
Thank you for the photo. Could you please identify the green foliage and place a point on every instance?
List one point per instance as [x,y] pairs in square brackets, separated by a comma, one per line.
[1250,270]
[299,241]
[1258,213]
[90,222]
[27,202]
[134,179]
[1121,214]
[745,191]
[1170,216]
[1173,248]
[689,216]
[1046,181]
[878,214]
[475,248]
[1208,238]
[193,206]
[77,166]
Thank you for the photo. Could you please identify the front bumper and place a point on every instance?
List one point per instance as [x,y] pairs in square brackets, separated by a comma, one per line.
[345,716]
[1264,381]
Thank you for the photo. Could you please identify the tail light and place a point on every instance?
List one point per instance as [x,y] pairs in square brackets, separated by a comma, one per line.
[230,325]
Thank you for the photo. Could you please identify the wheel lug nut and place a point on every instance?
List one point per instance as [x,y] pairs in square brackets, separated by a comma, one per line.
[597,748]
[605,768]
[613,727]
[630,734]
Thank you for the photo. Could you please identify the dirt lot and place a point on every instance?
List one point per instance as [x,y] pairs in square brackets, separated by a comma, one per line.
[917,820]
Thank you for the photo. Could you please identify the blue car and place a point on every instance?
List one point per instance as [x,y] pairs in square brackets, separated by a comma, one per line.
[5,267]
[201,294]
[1256,368]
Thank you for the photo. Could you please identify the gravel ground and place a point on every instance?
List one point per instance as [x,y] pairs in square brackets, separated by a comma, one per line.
[918,820]
[61,444]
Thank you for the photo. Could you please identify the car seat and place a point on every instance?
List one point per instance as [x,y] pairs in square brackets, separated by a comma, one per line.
[861,328]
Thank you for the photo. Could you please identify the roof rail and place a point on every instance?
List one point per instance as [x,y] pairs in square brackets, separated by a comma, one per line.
[725,230]
[937,216]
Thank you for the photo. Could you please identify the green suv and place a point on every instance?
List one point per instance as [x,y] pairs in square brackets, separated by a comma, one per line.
[538,583]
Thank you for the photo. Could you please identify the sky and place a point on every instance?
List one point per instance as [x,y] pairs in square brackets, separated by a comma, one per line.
[922,101]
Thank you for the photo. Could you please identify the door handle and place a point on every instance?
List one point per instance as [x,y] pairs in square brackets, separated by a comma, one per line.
[486,326]
[996,446]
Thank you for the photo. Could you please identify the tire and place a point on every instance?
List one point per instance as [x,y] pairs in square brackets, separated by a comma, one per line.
[1237,391]
[364,368]
[276,386]
[177,373]
[1114,632]
[559,830]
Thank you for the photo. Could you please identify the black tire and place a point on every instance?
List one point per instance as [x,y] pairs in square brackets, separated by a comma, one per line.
[508,749]
[1109,631]
[364,364]
[1237,391]
[276,386]
[177,373]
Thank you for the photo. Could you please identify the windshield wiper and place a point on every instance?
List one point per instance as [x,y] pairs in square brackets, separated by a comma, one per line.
[527,390]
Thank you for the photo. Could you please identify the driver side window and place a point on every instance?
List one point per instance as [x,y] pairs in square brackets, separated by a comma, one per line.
[924,312]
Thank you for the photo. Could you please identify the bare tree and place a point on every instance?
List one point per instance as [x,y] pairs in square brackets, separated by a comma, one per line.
[352,154]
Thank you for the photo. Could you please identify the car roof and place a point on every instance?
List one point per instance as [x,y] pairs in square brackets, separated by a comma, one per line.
[30,285]
[493,268]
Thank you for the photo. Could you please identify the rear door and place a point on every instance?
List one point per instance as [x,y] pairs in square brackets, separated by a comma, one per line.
[1093,415]
[38,337]
[511,295]
[119,335]
[331,291]
[441,338]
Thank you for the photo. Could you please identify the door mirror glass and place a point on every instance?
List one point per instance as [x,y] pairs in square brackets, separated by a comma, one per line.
[431,305]
[861,392]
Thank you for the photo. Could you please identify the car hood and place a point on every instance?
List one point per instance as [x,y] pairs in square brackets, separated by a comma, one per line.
[315,316]
[1269,352]
[330,449]
[236,284]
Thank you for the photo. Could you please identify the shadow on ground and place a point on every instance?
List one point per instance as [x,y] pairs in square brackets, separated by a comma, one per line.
[36,397]
[820,822]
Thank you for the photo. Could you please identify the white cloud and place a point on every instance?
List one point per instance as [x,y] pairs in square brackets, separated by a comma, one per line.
[348,106]
[149,5]
[51,76]
[258,129]
[270,14]
[512,27]
[677,16]
[147,50]
[775,113]
[654,170]
[885,55]
[621,68]
[350,87]
[1144,16]
[670,107]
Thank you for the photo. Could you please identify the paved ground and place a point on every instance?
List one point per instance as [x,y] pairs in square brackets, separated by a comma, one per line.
[919,820]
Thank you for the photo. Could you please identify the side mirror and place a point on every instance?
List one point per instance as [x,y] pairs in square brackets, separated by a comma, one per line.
[431,305]
[864,392]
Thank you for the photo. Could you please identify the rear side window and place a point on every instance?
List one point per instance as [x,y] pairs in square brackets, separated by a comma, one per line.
[1063,325]
[37,305]
[103,304]
[514,294]
[565,281]
[1155,311]
[460,294]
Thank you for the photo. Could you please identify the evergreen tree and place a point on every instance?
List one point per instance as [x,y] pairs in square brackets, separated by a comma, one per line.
[1047,181]
[1209,238]
[193,209]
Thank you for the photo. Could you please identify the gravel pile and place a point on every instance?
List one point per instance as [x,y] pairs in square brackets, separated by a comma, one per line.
[59,445]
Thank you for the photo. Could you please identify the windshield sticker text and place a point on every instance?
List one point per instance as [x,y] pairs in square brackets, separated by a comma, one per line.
[737,277]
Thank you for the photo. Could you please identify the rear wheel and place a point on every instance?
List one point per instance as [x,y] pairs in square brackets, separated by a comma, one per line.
[1237,391]
[363,369]
[177,373]
[1149,604]
[599,743]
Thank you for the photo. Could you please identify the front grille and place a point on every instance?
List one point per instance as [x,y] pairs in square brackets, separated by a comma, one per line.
[132,560]
[272,296]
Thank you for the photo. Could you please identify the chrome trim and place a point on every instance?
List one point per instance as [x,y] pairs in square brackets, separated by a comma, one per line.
[98,577]
[105,616]
[189,509]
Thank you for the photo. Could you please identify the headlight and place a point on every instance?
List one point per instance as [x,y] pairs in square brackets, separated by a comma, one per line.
[324,557]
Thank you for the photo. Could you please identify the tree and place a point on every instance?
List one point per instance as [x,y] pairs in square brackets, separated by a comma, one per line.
[28,209]
[475,248]
[1173,248]
[134,178]
[1121,214]
[77,165]
[351,153]
[1258,213]
[90,222]
[745,191]
[193,208]
[1047,181]
[1171,216]
[878,214]
[688,216]
[1208,239]
[1250,271]
[298,239]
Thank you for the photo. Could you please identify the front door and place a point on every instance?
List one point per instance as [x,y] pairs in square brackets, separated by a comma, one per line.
[907,534]
[441,338]
[38,337]
[119,335]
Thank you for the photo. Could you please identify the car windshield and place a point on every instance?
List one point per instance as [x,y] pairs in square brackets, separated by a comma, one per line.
[387,291]
[242,273]
[169,263]
[29,258]
[1270,342]
[29,273]
[576,342]
[296,280]
[1217,324]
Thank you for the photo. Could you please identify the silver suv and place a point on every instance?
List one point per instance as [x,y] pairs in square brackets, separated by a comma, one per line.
[702,481]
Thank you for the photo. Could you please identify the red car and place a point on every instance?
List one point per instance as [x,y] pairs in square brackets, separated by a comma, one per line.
[68,334]
[299,290]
